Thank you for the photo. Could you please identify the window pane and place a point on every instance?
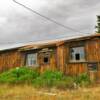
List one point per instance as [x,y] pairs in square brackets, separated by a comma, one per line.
[92,66]
[31,59]
[77,53]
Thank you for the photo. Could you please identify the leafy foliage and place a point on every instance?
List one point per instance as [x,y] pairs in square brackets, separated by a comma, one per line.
[82,79]
[58,80]
[46,79]
[98,24]
[18,75]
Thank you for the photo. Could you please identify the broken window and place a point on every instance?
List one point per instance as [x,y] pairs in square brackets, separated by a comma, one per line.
[46,58]
[77,54]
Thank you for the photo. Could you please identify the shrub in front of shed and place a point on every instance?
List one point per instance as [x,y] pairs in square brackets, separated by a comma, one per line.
[55,79]
[48,78]
[82,79]
[18,75]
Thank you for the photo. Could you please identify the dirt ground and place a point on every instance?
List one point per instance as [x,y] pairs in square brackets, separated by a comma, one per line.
[25,92]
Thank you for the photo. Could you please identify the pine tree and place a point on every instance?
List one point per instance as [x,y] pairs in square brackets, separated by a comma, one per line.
[98,24]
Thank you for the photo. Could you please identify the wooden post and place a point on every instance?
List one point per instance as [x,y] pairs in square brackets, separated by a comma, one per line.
[93,76]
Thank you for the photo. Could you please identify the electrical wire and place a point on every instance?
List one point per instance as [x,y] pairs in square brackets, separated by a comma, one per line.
[47,18]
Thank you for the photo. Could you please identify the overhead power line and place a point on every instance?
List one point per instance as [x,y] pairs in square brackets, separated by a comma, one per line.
[47,18]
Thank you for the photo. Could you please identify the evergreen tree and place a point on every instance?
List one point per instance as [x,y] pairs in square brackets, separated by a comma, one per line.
[98,24]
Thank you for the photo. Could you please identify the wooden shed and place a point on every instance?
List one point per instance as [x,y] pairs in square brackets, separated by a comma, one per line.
[71,56]
[79,55]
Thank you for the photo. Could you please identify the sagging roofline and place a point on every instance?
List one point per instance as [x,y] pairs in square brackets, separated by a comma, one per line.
[52,43]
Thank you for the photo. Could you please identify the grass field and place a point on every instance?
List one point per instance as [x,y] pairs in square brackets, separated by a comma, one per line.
[25,92]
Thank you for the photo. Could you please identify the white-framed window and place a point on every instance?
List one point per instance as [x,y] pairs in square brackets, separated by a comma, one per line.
[31,59]
[77,54]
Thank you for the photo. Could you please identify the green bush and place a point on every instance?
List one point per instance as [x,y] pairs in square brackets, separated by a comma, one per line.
[82,79]
[52,75]
[18,75]
[53,79]
[46,79]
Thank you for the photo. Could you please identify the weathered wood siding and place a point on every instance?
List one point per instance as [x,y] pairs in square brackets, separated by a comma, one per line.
[92,54]
[52,63]
[93,50]
[41,66]
[60,58]
[9,59]
[76,68]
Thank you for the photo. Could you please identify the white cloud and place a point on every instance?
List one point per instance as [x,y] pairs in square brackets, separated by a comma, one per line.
[18,24]
[3,20]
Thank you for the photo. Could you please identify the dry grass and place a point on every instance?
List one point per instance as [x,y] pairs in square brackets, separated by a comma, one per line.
[26,92]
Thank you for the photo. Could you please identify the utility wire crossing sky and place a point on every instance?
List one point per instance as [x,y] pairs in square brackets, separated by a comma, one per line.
[19,25]
[33,11]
